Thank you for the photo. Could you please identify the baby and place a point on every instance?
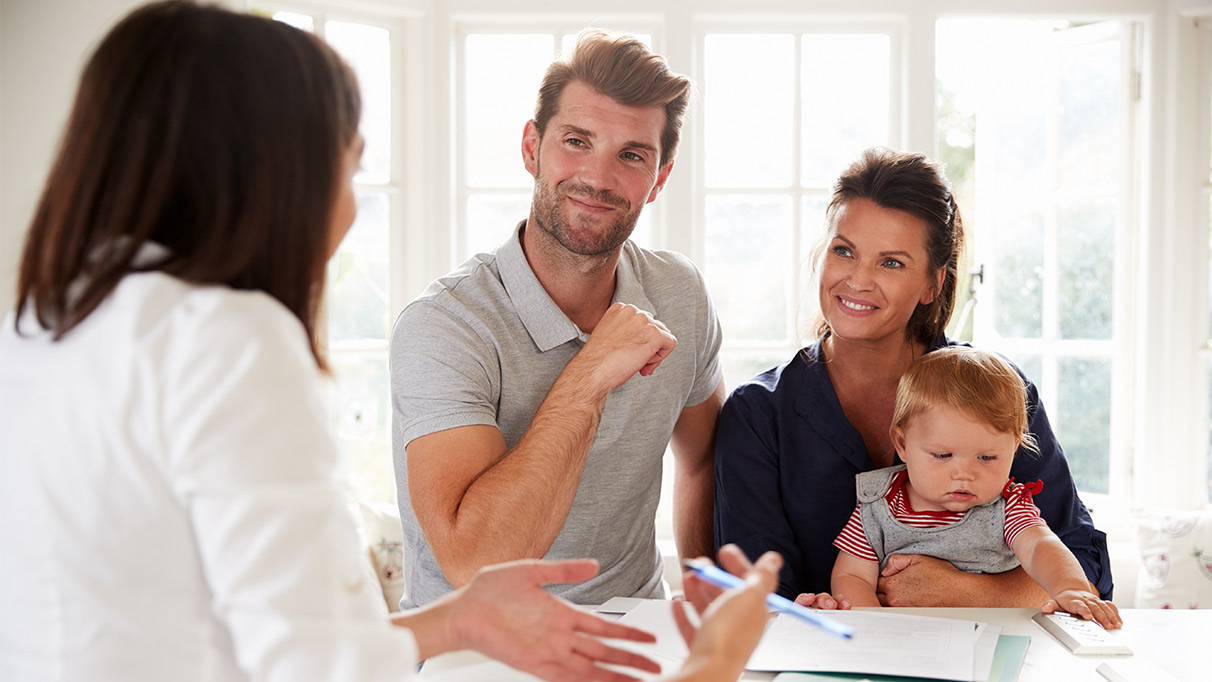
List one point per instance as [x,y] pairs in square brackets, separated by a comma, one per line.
[960,415]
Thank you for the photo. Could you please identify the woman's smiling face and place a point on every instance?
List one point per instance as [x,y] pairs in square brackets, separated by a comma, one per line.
[875,271]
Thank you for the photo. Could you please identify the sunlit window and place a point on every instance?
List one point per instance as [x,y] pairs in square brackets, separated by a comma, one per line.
[358,306]
[783,114]
[498,77]
[1035,127]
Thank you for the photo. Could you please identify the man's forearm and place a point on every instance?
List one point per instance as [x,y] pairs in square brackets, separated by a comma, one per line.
[1012,589]
[693,504]
[926,581]
[497,518]
[693,445]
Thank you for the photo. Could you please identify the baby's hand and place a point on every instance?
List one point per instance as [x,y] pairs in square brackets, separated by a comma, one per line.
[822,600]
[1086,605]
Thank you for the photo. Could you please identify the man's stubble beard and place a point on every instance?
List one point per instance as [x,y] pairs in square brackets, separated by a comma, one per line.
[590,239]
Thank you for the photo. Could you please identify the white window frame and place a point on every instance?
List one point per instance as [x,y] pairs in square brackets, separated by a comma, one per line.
[1049,346]
[556,26]
[1199,49]
[1165,422]
[800,296]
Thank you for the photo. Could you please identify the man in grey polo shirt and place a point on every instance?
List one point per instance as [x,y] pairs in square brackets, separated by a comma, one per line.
[536,387]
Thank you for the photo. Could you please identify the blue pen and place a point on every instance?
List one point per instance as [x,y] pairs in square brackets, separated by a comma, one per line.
[721,578]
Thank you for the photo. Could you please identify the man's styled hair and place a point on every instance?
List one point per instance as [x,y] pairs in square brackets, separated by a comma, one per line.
[911,183]
[214,134]
[622,68]
[977,383]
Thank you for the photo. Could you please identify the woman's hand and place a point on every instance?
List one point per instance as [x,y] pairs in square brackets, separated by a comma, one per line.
[505,613]
[733,621]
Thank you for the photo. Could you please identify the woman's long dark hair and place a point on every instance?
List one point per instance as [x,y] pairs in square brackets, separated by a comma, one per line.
[217,135]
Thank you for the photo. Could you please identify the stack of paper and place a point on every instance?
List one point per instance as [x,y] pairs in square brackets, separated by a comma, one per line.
[883,644]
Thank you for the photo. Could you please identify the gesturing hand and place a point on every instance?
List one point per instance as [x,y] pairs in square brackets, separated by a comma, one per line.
[505,613]
[625,341]
[734,621]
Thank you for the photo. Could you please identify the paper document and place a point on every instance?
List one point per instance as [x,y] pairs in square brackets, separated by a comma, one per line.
[883,644]
[656,616]
[1011,651]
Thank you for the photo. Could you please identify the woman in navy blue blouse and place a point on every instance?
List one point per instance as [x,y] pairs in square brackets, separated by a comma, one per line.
[791,439]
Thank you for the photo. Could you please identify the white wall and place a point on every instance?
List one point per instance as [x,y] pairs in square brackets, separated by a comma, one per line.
[43,45]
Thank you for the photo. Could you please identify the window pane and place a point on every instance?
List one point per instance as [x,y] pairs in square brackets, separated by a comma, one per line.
[490,219]
[748,86]
[741,366]
[502,76]
[1083,419]
[361,419]
[642,234]
[300,21]
[812,232]
[994,80]
[368,51]
[359,276]
[1019,268]
[1090,134]
[1087,236]
[570,39]
[747,244]
[1033,366]
[844,102]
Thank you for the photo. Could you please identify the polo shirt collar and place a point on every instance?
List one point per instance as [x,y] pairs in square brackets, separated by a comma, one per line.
[547,325]
[627,285]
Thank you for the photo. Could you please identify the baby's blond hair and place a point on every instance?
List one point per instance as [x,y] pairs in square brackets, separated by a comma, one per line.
[981,384]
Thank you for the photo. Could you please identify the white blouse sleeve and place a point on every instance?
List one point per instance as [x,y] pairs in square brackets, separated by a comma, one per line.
[251,459]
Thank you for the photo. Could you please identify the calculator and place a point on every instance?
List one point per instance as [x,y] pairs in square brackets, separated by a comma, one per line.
[1082,637]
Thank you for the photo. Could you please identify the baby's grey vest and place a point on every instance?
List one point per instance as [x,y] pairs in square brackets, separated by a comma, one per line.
[976,543]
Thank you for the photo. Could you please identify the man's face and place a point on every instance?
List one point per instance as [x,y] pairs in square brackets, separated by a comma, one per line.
[595,167]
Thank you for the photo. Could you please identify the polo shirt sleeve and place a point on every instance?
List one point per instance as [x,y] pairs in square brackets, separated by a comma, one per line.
[1058,502]
[443,373]
[708,371]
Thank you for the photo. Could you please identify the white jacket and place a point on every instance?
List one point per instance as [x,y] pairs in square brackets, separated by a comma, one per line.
[168,502]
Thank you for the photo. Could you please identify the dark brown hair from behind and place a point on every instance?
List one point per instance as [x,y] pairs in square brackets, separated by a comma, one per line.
[214,134]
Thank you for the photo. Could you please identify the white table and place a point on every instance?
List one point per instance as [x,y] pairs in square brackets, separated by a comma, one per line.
[1179,642]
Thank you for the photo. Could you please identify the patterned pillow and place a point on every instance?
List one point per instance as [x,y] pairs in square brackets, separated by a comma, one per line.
[1176,559]
[384,541]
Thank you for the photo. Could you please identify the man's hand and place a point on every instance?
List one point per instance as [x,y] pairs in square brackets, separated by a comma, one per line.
[625,341]
[505,613]
[917,580]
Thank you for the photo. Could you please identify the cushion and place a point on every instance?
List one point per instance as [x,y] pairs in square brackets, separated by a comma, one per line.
[383,538]
[1175,550]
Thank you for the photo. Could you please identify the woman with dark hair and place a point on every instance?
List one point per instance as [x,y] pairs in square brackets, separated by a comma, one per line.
[791,440]
[169,507]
